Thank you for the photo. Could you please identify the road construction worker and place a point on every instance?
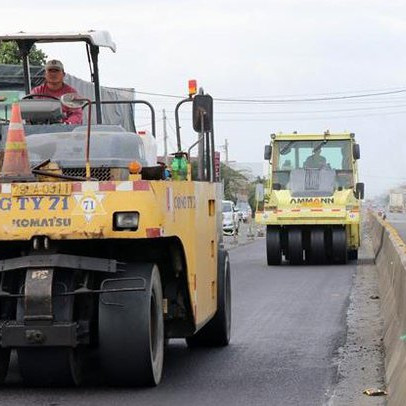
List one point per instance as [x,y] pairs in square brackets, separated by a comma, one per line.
[55,86]
[316,160]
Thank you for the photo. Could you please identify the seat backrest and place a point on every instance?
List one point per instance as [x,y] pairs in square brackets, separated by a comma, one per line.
[312,182]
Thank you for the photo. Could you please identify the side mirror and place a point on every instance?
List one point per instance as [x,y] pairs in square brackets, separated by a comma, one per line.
[359,191]
[202,113]
[267,152]
[276,186]
[356,154]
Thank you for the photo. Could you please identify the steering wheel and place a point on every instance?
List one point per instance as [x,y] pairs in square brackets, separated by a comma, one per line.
[33,95]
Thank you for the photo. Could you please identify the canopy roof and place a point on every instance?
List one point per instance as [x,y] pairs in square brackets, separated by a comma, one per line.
[96,38]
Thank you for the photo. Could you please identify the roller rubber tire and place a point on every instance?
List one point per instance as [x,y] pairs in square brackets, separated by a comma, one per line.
[8,309]
[295,246]
[216,333]
[338,246]
[273,246]
[131,329]
[317,254]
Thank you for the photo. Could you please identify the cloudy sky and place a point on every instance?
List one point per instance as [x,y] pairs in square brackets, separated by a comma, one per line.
[272,58]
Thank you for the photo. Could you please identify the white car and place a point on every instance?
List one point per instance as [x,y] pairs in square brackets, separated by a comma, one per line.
[230,218]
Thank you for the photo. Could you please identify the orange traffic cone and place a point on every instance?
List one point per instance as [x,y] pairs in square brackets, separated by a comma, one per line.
[16,163]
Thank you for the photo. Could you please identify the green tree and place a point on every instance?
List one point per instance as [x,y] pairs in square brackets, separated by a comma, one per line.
[233,180]
[251,193]
[9,54]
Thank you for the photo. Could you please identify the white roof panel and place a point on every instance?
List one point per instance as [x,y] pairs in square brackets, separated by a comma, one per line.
[98,38]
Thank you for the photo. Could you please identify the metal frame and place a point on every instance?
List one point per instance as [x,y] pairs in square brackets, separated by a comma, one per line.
[93,39]
[153,128]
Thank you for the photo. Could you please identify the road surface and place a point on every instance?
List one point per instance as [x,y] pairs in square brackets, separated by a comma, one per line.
[288,323]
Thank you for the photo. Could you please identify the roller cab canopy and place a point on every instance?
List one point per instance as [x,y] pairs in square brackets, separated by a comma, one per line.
[93,40]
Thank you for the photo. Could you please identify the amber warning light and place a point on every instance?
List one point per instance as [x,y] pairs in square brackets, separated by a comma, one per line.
[134,167]
[192,88]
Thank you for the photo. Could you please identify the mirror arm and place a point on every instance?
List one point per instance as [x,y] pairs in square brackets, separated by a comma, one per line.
[177,121]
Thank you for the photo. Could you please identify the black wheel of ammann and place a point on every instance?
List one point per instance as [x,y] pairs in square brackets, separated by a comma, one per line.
[273,245]
[53,366]
[131,328]
[216,333]
[317,254]
[295,246]
[339,245]
[7,312]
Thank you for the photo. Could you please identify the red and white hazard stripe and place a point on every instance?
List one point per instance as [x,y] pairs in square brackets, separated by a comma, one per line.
[109,186]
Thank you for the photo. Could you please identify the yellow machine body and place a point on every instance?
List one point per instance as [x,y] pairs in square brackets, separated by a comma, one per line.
[184,210]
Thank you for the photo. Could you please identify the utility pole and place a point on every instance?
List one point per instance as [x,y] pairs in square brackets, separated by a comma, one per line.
[165,137]
[226,150]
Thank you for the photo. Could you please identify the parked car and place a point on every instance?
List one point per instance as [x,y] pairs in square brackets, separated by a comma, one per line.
[244,211]
[230,218]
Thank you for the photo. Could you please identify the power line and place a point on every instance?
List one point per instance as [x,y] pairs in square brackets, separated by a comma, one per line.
[314,118]
[284,98]
[275,118]
[300,111]
[288,100]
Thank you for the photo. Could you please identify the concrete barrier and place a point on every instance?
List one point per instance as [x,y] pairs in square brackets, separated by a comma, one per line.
[390,258]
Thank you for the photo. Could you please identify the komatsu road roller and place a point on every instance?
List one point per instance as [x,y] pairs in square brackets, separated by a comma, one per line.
[104,254]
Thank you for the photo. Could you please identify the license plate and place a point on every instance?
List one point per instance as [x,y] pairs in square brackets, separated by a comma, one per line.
[41,189]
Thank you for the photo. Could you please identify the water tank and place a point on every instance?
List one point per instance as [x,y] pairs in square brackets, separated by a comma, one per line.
[150,147]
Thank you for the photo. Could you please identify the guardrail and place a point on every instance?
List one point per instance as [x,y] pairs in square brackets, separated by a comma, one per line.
[390,258]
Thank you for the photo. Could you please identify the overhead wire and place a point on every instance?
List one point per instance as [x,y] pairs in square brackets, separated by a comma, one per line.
[284,98]
[383,100]
[301,111]
[248,119]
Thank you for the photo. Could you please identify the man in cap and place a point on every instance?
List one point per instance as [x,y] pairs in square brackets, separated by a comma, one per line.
[316,160]
[55,86]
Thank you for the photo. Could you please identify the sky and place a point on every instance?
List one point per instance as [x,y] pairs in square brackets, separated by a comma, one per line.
[270,58]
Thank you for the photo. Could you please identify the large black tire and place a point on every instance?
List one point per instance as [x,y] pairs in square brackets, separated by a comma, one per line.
[52,366]
[338,245]
[295,246]
[216,333]
[131,328]
[317,250]
[273,245]
[4,363]
[7,312]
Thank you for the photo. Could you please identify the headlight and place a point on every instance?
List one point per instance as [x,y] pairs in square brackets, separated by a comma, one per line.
[127,220]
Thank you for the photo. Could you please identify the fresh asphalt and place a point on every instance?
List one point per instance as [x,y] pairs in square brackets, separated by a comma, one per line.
[288,323]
